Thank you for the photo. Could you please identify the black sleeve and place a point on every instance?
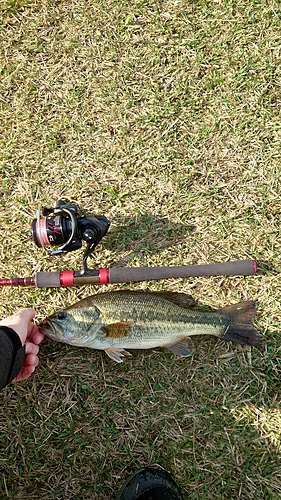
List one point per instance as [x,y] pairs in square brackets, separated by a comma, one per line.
[12,355]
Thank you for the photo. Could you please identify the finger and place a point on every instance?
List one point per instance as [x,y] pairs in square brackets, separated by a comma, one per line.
[34,334]
[31,360]
[25,372]
[19,322]
[30,363]
[26,314]
[31,348]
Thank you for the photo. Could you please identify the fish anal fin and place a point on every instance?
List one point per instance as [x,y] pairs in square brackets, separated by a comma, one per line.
[180,299]
[117,353]
[183,347]
[117,330]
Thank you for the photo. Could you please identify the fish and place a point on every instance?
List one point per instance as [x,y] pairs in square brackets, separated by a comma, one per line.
[120,320]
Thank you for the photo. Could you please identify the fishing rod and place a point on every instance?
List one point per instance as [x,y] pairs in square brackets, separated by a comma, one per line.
[67,230]
[55,279]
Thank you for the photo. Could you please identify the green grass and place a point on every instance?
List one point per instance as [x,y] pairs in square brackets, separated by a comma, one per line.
[165,117]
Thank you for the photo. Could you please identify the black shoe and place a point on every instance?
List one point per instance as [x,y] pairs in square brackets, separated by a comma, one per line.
[150,483]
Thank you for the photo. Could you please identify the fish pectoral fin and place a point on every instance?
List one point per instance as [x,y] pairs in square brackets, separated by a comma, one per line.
[117,330]
[184,347]
[117,353]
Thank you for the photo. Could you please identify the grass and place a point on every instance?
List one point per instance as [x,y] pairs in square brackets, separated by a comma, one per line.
[165,117]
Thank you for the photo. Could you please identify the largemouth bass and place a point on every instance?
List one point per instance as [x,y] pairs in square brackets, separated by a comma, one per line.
[116,321]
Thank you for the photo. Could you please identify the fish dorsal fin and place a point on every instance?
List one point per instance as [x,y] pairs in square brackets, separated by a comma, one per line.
[182,348]
[180,299]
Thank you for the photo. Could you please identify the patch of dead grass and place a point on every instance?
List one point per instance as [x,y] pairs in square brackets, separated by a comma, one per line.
[163,116]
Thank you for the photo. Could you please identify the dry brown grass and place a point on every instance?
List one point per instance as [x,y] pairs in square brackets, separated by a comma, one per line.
[165,117]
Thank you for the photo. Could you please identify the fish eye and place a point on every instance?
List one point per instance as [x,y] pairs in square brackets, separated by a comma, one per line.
[62,315]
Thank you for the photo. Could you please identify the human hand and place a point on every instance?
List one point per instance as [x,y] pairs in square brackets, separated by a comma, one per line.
[30,337]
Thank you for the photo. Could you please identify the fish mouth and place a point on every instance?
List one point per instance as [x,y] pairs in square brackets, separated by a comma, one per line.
[47,329]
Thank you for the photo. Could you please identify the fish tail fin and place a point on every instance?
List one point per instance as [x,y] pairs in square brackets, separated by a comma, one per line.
[240,328]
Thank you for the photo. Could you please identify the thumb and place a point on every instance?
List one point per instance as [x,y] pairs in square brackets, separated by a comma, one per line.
[19,322]
[26,314]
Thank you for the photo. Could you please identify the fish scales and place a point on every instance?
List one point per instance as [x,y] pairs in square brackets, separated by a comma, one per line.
[152,313]
[115,321]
